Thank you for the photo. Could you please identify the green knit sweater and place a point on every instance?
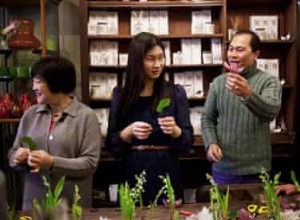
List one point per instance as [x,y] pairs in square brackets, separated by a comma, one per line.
[241,128]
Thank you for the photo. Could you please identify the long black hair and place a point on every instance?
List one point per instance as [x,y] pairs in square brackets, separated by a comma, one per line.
[140,45]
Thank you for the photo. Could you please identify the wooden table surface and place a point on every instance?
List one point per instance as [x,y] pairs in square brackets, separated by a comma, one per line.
[240,197]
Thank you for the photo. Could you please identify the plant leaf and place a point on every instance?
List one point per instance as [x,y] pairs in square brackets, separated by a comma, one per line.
[58,188]
[29,142]
[162,104]
[295,181]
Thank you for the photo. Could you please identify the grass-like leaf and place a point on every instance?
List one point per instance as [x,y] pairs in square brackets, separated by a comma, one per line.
[76,209]
[26,140]
[295,181]
[162,104]
[127,203]
[218,201]
[52,199]
[270,192]
[12,212]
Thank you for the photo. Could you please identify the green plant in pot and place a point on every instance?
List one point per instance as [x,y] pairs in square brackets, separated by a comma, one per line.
[219,202]
[128,197]
[169,192]
[272,200]
[52,206]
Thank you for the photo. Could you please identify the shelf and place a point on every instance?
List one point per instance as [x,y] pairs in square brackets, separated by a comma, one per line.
[153,4]
[177,66]
[6,79]
[258,2]
[170,36]
[9,120]
[6,51]
[179,21]
[18,2]
[198,151]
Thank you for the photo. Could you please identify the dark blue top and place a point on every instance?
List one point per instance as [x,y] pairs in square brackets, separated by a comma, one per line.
[179,108]
[155,163]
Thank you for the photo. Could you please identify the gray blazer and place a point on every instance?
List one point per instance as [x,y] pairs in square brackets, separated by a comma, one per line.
[75,142]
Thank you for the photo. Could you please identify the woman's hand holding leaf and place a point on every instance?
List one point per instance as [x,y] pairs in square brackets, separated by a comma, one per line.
[141,130]
[21,155]
[168,126]
[38,159]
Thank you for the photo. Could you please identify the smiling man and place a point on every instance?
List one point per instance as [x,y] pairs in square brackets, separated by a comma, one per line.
[238,109]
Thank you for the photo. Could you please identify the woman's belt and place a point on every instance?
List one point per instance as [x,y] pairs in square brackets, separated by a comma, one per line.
[149,147]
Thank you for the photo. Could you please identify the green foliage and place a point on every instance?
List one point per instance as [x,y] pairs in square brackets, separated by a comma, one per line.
[169,192]
[129,197]
[218,202]
[26,140]
[295,181]
[270,193]
[52,199]
[162,104]
[127,203]
[12,212]
[76,209]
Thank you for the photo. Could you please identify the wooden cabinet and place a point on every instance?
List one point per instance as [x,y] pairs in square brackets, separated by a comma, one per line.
[230,14]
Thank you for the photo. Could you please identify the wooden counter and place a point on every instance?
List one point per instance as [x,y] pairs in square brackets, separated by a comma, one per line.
[159,213]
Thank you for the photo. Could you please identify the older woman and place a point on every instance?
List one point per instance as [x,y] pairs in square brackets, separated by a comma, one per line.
[66,132]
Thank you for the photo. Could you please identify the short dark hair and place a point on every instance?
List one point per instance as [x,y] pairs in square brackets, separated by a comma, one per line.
[58,72]
[254,42]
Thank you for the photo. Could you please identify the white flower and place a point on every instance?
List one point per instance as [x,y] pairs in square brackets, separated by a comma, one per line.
[290,215]
[204,214]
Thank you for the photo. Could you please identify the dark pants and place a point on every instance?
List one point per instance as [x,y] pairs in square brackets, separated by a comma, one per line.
[222,178]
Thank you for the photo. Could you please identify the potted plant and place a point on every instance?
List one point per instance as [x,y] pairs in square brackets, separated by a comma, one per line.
[218,201]
[52,206]
[128,197]
[272,200]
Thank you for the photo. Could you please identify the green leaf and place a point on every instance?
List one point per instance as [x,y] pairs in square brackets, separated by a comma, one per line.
[233,214]
[162,104]
[295,181]
[12,212]
[58,188]
[29,142]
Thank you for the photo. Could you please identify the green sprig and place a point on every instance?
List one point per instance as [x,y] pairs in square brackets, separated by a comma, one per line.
[270,193]
[29,142]
[76,208]
[52,198]
[295,181]
[127,203]
[219,203]
[162,104]
[169,192]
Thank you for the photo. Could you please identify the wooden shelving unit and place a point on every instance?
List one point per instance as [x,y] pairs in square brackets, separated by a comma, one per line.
[180,27]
